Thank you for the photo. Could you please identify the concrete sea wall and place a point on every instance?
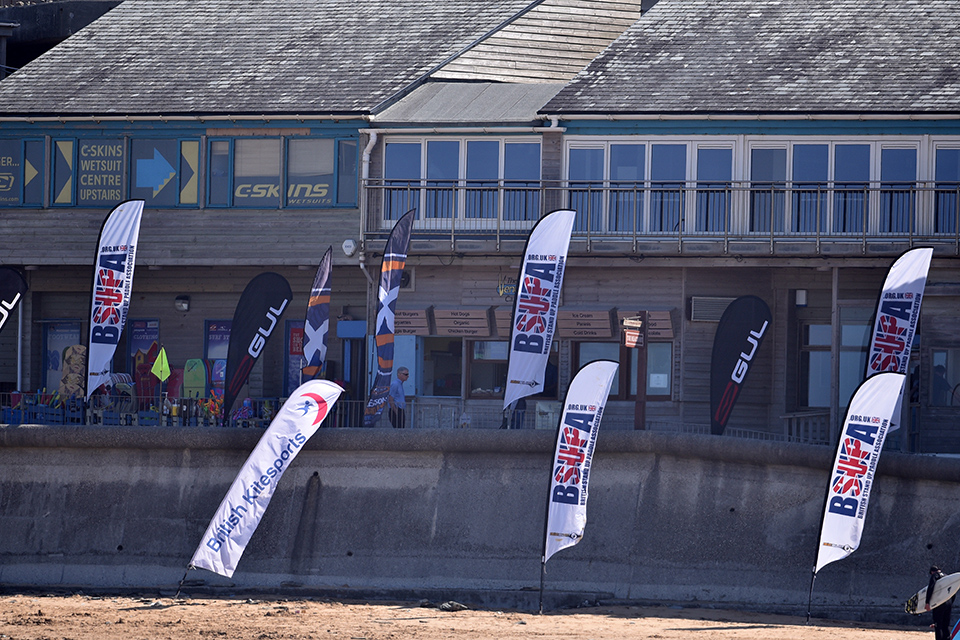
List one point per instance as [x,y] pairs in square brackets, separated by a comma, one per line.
[459,514]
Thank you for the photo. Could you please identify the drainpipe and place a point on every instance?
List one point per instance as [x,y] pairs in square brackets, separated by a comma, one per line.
[364,176]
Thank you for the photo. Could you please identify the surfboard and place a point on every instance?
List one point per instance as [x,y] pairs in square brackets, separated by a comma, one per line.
[945,589]
[956,628]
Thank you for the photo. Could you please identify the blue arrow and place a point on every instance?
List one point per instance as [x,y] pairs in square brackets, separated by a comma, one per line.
[154,173]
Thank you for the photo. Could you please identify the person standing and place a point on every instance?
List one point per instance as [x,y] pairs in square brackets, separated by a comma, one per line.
[398,398]
[941,613]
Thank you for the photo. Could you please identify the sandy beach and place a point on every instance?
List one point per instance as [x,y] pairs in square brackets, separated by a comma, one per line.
[85,617]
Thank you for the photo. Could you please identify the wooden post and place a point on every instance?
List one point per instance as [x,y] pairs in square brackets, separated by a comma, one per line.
[634,336]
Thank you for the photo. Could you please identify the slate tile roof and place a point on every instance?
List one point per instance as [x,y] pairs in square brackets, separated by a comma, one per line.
[171,57]
[777,56]
[471,103]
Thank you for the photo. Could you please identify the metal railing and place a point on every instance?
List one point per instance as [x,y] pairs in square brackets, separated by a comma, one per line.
[421,413]
[674,212]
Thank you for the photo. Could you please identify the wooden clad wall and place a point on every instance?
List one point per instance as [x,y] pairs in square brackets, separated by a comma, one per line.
[174,237]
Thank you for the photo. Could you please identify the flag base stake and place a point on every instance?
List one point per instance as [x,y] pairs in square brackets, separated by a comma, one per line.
[810,597]
[180,585]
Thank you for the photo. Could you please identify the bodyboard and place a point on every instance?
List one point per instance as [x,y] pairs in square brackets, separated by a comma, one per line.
[945,589]
[194,379]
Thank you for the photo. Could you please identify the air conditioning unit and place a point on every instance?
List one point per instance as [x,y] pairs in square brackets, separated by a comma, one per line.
[708,308]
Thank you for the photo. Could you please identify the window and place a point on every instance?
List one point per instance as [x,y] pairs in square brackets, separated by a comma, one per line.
[624,387]
[714,173]
[442,366]
[22,166]
[810,174]
[488,368]
[815,365]
[461,179]
[947,200]
[164,172]
[275,172]
[815,359]
[851,180]
[898,176]
[945,378]
[768,176]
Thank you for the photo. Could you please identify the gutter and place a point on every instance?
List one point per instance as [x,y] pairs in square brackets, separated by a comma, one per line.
[613,117]
[163,118]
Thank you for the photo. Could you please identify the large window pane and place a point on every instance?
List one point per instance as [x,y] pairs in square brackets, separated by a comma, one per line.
[947,207]
[714,171]
[668,171]
[443,168]
[586,188]
[442,366]
[898,175]
[256,172]
[483,169]
[810,175]
[401,173]
[347,172]
[521,174]
[310,169]
[219,181]
[768,173]
[851,179]
[626,186]
[34,170]
[659,368]
[590,351]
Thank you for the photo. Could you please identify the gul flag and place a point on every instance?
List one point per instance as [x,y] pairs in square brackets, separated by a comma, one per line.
[317,324]
[391,270]
[741,330]
[861,441]
[261,304]
[535,311]
[112,284]
[249,496]
[573,454]
[12,287]
[897,313]
[161,368]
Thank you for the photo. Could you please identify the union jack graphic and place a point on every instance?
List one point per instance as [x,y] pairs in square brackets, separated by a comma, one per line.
[852,466]
[533,306]
[889,344]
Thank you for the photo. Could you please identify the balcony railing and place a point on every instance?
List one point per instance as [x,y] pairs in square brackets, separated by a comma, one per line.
[675,213]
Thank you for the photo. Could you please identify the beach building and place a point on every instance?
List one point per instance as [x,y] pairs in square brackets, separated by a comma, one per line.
[711,150]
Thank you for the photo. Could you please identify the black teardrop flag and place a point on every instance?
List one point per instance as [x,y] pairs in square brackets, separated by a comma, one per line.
[261,304]
[12,287]
[742,327]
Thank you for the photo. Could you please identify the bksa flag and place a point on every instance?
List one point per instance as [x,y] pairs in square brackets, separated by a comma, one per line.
[858,451]
[316,327]
[249,496]
[391,271]
[535,311]
[573,455]
[112,284]
[898,311]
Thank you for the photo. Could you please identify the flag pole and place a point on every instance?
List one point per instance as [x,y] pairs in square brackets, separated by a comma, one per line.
[810,597]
